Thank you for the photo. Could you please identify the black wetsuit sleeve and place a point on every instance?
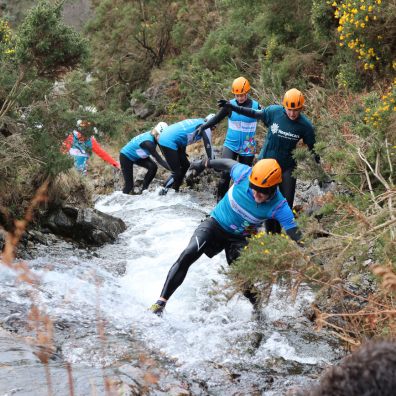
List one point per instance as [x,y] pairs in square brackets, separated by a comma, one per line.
[207,144]
[309,140]
[224,164]
[294,233]
[223,113]
[150,147]
[246,111]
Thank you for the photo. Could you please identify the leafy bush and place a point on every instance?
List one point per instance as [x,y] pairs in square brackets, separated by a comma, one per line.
[268,259]
[32,116]
[368,29]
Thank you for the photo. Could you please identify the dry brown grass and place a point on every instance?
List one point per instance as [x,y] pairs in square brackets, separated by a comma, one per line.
[376,318]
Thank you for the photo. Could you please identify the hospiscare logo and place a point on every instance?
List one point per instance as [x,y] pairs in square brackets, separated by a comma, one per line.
[287,135]
[274,128]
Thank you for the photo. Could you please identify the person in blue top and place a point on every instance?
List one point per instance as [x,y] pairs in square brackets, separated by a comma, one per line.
[240,142]
[286,126]
[173,142]
[253,198]
[138,152]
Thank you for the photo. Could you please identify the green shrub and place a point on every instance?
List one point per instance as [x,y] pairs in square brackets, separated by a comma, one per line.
[266,260]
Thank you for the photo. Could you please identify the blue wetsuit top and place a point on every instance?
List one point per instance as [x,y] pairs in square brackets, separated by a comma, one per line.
[133,149]
[240,137]
[80,151]
[238,212]
[181,134]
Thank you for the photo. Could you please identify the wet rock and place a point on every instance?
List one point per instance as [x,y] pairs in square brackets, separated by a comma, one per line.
[13,317]
[85,224]
[178,391]
[133,375]
[141,109]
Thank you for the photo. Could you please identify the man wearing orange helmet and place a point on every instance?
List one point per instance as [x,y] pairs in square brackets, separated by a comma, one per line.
[253,198]
[239,143]
[286,126]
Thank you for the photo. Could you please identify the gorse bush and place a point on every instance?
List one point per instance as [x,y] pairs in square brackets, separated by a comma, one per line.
[7,45]
[269,259]
[32,115]
[46,43]
[368,28]
[380,111]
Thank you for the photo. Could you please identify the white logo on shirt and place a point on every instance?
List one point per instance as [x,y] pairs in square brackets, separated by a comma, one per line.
[287,135]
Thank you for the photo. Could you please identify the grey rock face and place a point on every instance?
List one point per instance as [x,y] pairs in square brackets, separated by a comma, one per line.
[87,225]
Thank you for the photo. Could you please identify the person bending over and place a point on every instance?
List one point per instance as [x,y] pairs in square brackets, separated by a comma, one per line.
[138,152]
[253,198]
[173,143]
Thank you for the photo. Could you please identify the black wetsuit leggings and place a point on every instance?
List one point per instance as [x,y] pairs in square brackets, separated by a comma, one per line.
[224,182]
[127,171]
[179,164]
[288,189]
[211,239]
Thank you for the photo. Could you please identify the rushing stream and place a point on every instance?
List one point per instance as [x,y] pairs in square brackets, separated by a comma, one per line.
[204,344]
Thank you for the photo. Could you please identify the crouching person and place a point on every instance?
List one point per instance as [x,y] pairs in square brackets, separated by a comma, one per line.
[253,198]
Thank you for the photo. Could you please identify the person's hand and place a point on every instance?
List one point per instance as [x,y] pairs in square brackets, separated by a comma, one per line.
[198,166]
[223,103]
[163,191]
[117,166]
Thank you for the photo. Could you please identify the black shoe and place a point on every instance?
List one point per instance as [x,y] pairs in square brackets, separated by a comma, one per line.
[163,191]
[158,307]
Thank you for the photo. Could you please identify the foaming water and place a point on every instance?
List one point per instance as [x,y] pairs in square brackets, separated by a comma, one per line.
[200,331]
[203,335]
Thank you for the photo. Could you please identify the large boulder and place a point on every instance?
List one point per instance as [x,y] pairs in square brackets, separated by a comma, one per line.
[86,225]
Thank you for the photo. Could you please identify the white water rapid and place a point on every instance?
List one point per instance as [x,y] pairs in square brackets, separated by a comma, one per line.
[210,342]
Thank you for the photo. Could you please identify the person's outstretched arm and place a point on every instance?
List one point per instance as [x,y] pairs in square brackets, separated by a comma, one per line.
[151,148]
[246,111]
[221,114]
[67,143]
[207,140]
[223,164]
[98,150]
[286,218]
[309,140]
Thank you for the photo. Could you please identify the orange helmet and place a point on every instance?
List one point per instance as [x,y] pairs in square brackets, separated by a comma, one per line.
[240,86]
[293,99]
[265,175]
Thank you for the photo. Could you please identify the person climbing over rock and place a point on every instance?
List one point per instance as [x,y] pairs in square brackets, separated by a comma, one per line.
[173,143]
[253,198]
[240,142]
[286,126]
[138,152]
[81,143]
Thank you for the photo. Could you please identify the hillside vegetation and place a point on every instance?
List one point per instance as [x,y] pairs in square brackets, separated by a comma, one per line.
[341,54]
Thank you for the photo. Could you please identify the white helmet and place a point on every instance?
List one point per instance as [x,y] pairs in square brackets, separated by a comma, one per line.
[209,116]
[160,127]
